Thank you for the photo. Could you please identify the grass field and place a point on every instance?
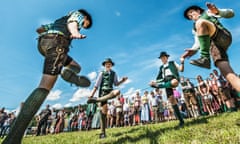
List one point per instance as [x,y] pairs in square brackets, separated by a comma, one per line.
[219,129]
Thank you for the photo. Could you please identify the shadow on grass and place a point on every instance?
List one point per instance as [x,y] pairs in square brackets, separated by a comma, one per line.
[134,129]
[202,120]
[153,136]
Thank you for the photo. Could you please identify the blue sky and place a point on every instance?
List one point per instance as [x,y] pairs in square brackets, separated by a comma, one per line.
[131,32]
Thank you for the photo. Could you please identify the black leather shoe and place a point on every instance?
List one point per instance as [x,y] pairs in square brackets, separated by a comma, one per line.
[201,62]
[92,100]
[70,76]
[180,125]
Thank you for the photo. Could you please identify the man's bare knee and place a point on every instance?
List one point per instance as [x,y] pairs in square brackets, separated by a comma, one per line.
[116,92]
[104,109]
[174,83]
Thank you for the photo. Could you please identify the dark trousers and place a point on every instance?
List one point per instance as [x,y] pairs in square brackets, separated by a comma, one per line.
[42,126]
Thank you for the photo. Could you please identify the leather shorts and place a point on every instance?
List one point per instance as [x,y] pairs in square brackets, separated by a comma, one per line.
[220,42]
[54,48]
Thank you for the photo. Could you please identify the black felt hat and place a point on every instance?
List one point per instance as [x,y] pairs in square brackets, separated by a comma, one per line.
[108,60]
[163,53]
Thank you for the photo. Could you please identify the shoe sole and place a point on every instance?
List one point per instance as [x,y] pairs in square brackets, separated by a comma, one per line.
[200,65]
[91,100]
[81,81]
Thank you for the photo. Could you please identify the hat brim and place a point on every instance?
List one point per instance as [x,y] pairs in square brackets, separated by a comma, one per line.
[164,55]
[108,62]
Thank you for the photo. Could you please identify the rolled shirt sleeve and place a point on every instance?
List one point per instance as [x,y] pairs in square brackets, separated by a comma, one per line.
[223,13]
[99,80]
[76,16]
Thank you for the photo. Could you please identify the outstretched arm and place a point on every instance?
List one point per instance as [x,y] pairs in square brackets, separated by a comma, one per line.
[121,81]
[226,13]
[97,85]
[73,28]
[193,50]
[93,92]
[188,53]
[181,67]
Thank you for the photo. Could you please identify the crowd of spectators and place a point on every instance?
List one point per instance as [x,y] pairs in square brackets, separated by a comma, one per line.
[210,96]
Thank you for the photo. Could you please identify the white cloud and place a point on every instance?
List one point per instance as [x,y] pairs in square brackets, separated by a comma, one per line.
[68,105]
[79,94]
[57,106]
[131,92]
[92,75]
[54,95]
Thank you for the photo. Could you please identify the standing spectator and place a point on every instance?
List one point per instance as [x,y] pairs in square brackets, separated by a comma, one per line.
[105,82]
[154,104]
[207,99]
[59,126]
[96,119]
[119,112]
[126,106]
[145,113]
[7,123]
[54,119]
[3,117]
[214,90]
[168,77]
[49,123]
[189,96]
[229,99]
[126,119]
[204,90]
[213,82]
[222,89]
[167,115]
[176,94]
[80,116]
[122,99]
[137,109]
[43,121]
[199,101]
[74,122]
[70,118]
[111,114]
[126,112]
[131,115]
[82,125]
[91,110]
[158,93]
